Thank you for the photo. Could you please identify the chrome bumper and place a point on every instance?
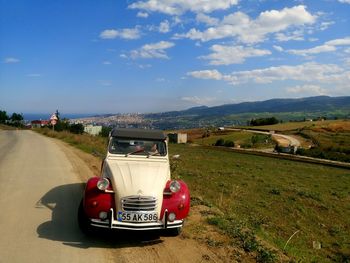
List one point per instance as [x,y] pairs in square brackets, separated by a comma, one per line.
[115,224]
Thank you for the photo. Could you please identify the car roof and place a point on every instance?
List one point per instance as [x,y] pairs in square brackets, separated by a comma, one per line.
[138,134]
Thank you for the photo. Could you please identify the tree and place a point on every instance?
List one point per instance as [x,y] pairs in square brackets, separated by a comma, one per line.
[263,121]
[3,116]
[229,143]
[57,115]
[16,119]
[76,128]
[62,125]
[105,131]
[220,142]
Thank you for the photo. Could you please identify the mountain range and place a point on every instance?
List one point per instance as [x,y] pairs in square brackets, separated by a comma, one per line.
[284,109]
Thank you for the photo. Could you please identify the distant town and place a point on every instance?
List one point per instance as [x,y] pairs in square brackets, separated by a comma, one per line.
[131,120]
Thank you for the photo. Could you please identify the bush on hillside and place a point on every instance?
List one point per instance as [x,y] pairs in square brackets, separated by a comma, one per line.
[220,142]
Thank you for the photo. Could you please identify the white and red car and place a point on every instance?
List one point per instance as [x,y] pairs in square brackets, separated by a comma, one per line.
[135,190]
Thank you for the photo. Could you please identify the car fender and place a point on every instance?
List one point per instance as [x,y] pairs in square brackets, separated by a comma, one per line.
[178,203]
[95,200]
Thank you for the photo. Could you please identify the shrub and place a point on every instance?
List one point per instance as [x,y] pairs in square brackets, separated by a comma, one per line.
[220,142]
[105,131]
[265,255]
[229,143]
[76,128]
[263,121]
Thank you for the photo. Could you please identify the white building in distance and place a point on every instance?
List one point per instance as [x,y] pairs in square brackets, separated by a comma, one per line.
[93,130]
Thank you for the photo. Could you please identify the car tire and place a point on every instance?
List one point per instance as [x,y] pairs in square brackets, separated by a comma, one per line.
[83,221]
[173,232]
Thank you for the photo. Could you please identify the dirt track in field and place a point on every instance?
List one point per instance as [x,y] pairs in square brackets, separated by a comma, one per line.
[41,184]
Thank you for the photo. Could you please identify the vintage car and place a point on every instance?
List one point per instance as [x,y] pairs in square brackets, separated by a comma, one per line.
[135,190]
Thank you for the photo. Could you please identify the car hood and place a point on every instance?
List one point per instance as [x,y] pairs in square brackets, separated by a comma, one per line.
[136,176]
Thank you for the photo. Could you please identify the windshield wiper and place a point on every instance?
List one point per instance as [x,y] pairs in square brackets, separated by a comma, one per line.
[136,151]
[153,153]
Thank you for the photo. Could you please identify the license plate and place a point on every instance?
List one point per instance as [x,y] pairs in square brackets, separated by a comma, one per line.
[137,217]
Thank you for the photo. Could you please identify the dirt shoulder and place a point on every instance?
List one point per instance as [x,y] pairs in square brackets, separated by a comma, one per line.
[199,242]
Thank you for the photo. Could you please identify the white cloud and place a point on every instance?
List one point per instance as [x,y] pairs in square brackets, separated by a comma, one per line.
[247,30]
[164,27]
[154,50]
[278,48]
[307,90]
[314,50]
[328,46]
[344,1]
[11,60]
[326,25]
[106,62]
[198,100]
[297,35]
[227,55]
[346,62]
[176,20]
[210,21]
[309,72]
[206,74]
[339,42]
[144,66]
[178,7]
[126,33]
[142,14]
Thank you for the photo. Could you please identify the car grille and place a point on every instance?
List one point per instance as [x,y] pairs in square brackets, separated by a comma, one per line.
[139,203]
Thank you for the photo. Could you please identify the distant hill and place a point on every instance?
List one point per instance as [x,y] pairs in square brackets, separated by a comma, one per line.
[225,114]
[323,103]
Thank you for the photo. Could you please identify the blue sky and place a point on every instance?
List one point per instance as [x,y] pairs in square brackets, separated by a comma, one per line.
[159,55]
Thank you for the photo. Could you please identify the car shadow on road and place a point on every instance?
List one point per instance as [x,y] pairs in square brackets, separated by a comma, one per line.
[64,201]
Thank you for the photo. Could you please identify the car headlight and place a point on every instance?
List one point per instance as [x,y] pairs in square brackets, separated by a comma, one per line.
[174,186]
[103,184]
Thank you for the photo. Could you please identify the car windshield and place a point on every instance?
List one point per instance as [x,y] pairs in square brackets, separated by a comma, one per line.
[137,147]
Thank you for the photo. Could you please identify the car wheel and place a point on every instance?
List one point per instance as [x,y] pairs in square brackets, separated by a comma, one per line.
[173,232]
[83,221]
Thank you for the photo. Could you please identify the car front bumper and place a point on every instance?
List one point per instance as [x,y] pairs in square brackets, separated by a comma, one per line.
[112,223]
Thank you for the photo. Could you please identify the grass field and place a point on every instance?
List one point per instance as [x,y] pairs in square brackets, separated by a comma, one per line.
[6,127]
[260,202]
[290,126]
[272,199]
[242,138]
[328,136]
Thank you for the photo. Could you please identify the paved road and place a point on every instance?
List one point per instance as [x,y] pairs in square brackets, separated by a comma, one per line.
[291,140]
[39,197]
[40,191]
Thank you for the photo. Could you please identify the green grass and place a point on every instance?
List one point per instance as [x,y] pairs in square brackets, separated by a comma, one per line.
[7,127]
[242,138]
[271,199]
[289,126]
[329,143]
[237,137]
[262,200]
[330,139]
